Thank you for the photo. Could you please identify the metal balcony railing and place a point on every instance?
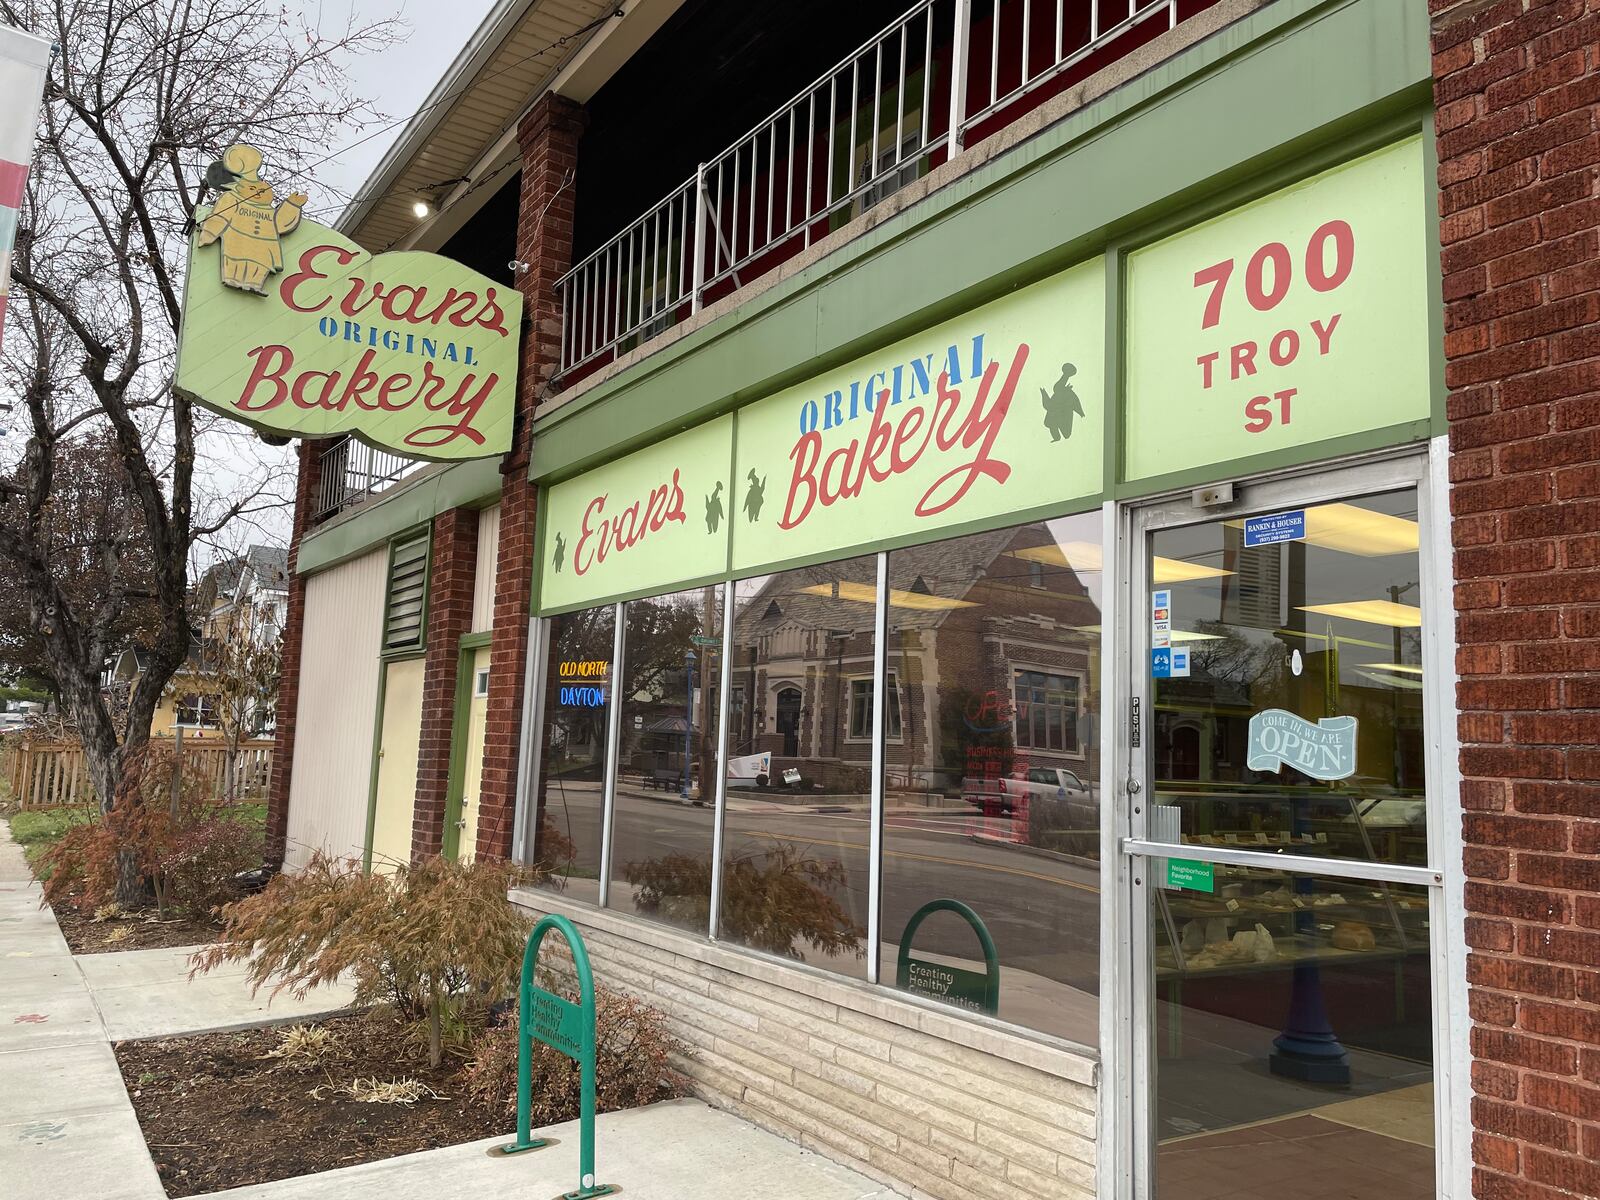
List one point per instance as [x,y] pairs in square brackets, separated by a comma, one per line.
[884,115]
[352,472]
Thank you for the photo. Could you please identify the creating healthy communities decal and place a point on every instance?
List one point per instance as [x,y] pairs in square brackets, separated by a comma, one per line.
[294,329]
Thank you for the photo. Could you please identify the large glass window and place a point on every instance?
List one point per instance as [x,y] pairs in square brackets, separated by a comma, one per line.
[667,759]
[577,706]
[795,873]
[992,795]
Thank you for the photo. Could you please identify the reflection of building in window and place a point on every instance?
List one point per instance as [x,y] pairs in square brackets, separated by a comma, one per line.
[861,709]
[197,711]
[1047,711]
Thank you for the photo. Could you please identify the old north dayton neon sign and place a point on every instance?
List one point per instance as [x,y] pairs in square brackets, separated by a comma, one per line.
[295,329]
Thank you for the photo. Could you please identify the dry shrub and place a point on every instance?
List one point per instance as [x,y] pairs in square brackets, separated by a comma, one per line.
[306,1046]
[188,859]
[436,940]
[631,1053]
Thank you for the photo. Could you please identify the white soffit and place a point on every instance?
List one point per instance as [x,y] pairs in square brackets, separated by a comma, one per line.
[466,128]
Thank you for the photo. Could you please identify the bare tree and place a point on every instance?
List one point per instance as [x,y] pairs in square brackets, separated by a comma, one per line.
[243,659]
[142,96]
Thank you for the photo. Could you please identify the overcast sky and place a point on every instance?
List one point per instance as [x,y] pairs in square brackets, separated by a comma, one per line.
[399,80]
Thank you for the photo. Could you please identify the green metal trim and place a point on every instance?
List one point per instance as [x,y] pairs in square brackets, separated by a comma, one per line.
[1389,437]
[991,957]
[372,776]
[1300,73]
[476,641]
[473,484]
[557,1011]
[456,777]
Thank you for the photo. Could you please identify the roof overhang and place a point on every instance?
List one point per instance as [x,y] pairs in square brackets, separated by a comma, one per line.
[465,132]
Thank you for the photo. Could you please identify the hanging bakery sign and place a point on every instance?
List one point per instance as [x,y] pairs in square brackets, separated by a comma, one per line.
[294,329]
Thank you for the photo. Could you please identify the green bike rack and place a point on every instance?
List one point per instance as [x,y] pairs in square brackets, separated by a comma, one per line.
[965,989]
[567,1028]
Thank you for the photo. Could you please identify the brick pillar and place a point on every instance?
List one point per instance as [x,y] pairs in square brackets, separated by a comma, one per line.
[1516,86]
[305,493]
[450,580]
[549,137]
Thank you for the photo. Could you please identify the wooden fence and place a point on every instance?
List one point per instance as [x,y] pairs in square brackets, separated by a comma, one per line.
[45,774]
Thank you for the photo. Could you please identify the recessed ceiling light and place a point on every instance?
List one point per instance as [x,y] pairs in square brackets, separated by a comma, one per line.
[867,593]
[1087,556]
[1374,612]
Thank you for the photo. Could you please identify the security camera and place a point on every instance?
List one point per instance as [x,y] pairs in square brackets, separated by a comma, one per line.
[518,267]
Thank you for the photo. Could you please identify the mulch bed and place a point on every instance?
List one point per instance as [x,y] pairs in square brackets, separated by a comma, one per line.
[217,1113]
[137,931]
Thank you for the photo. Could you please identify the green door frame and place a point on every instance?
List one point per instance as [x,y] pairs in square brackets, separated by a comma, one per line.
[455,785]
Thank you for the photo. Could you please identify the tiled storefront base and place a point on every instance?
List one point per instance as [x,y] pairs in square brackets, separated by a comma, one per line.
[931,1104]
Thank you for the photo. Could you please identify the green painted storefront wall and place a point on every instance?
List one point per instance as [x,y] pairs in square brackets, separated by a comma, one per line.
[991,413]
[644,523]
[1282,324]
[1289,90]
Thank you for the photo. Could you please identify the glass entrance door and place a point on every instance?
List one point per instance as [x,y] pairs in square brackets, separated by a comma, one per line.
[1283,958]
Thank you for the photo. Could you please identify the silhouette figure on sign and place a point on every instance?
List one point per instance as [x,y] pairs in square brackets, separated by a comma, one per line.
[1061,405]
[714,508]
[561,550]
[755,497]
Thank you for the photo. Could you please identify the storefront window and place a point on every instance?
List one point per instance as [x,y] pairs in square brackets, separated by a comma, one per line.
[667,759]
[992,795]
[795,874]
[569,797]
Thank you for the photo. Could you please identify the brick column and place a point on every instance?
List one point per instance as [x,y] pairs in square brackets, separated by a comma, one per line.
[549,137]
[1516,87]
[305,493]
[450,580]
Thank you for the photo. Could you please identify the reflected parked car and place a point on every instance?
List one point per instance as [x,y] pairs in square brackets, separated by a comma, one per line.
[1053,787]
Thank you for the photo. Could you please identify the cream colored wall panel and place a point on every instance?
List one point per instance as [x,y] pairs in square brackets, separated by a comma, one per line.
[483,580]
[338,699]
[397,764]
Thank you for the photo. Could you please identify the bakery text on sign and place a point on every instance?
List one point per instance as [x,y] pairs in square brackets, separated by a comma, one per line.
[1324,265]
[433,321]
[895,444]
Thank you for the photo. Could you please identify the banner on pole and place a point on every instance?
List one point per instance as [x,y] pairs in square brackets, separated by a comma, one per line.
[23,62]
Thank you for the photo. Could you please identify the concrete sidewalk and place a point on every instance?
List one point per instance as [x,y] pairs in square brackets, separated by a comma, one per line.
[66,1126]
[148,993]
[680,1150]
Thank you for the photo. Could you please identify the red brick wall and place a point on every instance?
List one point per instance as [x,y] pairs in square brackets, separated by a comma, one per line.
[289,684]
[1516,88]
[549,137]
[455,555]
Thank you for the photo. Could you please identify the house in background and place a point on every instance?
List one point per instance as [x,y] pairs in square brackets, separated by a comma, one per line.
[247,593]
